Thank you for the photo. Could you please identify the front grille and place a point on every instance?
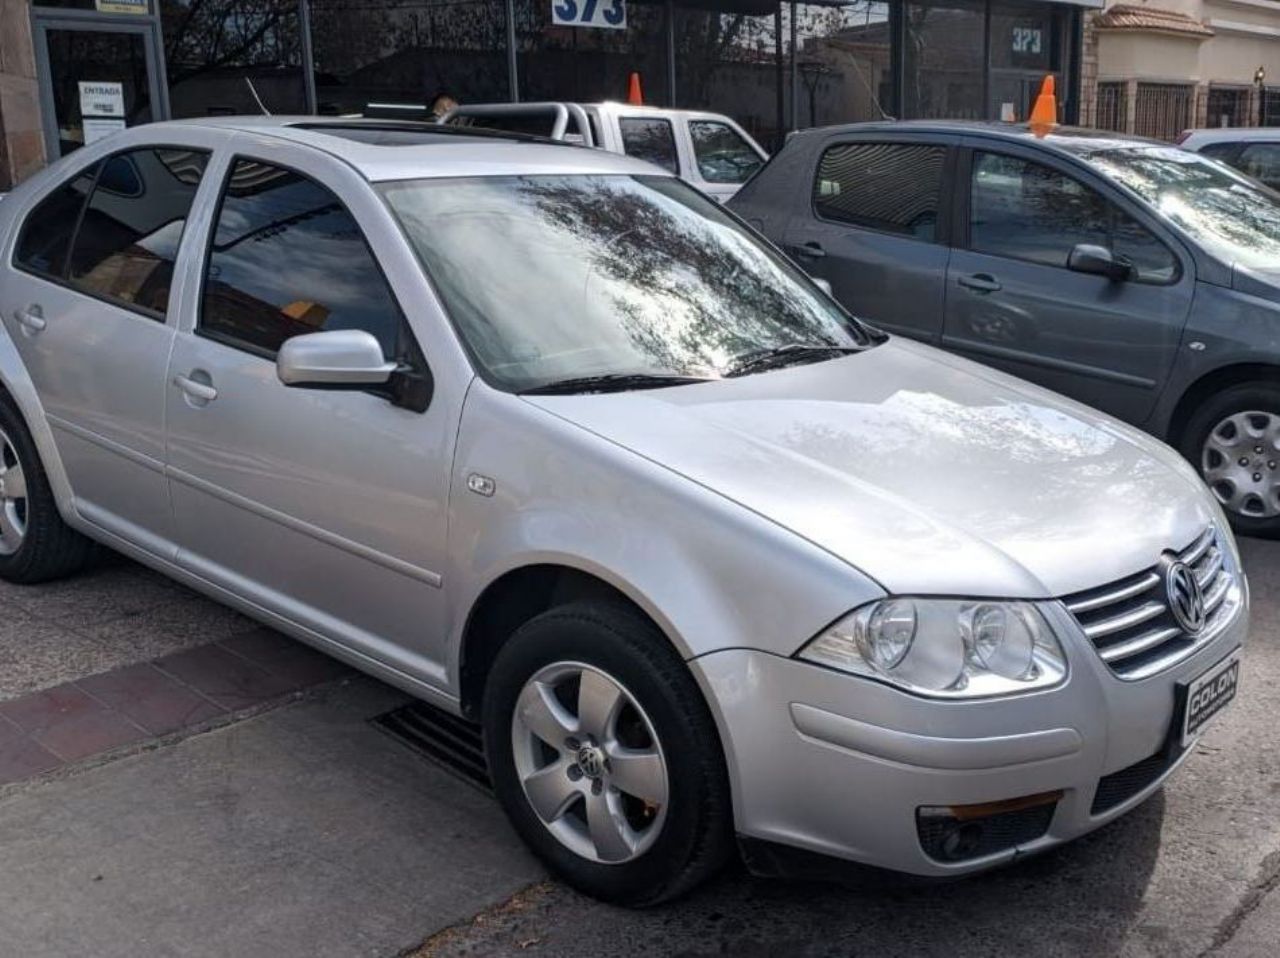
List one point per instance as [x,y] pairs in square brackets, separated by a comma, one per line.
[1118,787]
[1129,621]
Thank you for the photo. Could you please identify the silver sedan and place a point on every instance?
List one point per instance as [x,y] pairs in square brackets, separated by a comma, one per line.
[551,440]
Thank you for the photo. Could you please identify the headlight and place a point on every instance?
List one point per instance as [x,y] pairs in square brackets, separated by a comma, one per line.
[951,648]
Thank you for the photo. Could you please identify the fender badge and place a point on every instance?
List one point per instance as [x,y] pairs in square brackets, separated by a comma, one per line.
[481,485]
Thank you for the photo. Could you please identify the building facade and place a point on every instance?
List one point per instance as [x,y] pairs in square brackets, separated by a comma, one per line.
[1162,67]
[74,70]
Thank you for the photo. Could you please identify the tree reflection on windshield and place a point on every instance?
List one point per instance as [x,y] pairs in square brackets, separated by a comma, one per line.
[1234,217]
[550,277]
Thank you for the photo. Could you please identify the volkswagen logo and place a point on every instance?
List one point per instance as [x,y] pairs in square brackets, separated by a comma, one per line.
[591,761]
[1186,601]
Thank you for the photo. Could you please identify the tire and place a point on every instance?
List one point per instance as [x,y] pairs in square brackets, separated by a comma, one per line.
[668,847]
[35,544]
[1233,438]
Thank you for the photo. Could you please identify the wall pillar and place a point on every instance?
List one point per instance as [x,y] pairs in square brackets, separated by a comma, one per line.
[21,135]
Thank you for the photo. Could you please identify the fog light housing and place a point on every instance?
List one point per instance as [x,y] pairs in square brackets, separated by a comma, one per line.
[960,833]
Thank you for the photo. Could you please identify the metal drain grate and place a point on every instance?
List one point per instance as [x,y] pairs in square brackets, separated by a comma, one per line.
[447,740]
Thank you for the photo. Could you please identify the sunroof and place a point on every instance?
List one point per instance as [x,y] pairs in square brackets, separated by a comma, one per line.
[391,133]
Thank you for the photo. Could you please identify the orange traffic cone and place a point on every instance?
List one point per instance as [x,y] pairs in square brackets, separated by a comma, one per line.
[633,91]
[1044,115]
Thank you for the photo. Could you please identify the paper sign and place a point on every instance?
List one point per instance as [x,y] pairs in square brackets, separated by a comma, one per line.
[101,99]
[96,129]
[122,6]
[1007,113]
[603,14]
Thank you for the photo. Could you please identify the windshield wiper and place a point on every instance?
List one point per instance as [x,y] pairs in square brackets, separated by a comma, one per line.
[788,355]
[611,382]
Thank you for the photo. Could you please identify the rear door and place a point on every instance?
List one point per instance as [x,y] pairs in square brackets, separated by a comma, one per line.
[1012,302]
[86,298]
[871,220]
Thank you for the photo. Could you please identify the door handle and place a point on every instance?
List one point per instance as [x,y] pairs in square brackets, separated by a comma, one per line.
[980,283]
[31,319]
[810,250]
[196,389]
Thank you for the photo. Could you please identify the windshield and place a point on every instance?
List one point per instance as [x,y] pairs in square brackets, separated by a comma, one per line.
[1232,216]
[552,278]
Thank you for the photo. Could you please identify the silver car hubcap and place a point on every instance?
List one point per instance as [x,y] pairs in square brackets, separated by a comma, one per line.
[589,762]
[1241,463]
[13,498]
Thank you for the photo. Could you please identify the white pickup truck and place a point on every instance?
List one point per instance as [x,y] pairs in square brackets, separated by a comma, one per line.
[708,150]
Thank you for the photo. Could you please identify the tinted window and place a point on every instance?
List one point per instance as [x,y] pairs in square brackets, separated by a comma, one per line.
[287,259]
[1219,151]
[892,187]
[1023,210]
[651,140]
[1262,162]
[46,235]
[723,156]
[128,239]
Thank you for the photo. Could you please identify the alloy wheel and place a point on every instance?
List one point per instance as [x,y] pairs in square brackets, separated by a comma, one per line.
[590,762]
[1240,460]
[13,497]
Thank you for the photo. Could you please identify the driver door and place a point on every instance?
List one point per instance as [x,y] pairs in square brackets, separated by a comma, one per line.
[325,507]
[1011,302]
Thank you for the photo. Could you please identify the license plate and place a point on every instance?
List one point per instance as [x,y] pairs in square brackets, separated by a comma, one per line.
[1209,694]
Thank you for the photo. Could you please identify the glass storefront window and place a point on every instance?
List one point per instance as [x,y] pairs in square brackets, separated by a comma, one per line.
[408,52]
[726,62]
[944,68]
[588,65]
[223,56]
[844,62]
[1026,43]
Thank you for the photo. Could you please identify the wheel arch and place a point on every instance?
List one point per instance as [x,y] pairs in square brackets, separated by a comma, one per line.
[1215,381]
[16,383]
[515,597]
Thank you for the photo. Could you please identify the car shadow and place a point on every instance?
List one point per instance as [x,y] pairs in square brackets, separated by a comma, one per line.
[1081,898]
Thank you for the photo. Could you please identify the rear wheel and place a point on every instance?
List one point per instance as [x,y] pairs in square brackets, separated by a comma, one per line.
[35,544]
[1234,440]
[605,756]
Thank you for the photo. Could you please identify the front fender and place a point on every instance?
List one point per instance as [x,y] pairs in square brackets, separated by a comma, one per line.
[710,573]
[17,381]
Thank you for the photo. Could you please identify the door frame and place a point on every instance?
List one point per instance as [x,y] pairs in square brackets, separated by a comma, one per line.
[45,19]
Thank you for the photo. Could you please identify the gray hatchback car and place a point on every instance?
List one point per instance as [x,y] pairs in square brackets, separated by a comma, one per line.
[1136,277]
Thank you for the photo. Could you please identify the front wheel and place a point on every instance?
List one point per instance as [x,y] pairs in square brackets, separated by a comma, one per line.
[1234,440]
[605,756]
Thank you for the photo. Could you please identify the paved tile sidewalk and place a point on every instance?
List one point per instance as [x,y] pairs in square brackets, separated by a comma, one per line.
[68,723]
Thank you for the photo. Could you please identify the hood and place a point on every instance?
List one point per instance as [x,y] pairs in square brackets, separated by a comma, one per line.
[927,472]
[1263,283]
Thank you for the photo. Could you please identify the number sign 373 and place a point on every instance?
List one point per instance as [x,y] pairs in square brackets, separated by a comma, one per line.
[609,14]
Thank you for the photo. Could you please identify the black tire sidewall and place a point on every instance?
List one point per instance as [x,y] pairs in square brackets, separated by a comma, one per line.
[616,641]
[41,508]
[1264,397]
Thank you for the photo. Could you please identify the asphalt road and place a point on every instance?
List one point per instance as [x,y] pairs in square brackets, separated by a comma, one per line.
[1194,871]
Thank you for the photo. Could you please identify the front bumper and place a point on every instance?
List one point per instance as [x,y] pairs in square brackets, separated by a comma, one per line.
[840,766]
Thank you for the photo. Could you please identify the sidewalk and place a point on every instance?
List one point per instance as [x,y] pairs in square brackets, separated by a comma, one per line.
[301,831]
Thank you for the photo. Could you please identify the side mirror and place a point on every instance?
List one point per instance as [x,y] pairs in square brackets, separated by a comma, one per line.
[335,359]
[1099,261]
[822,284]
